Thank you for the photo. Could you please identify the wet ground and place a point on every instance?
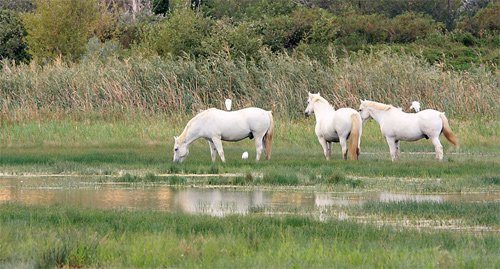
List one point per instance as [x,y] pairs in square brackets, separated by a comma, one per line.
[90,193]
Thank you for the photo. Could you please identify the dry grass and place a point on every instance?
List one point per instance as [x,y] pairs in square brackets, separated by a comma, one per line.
[277,82]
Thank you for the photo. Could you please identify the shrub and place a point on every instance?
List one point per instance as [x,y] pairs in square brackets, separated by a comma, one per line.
[363,28]
[182,33]
[485,20]
[302,25]
[12,33]
[237,40]
[68,36]
[488,19]
[278,33]
[409,27]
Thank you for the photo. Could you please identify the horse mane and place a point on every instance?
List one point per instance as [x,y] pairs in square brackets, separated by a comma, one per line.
[182,136]
[377,105]
[318,98]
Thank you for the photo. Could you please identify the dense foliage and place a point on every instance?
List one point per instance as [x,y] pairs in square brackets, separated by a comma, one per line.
[12,33]
[60,28]
[182,56]
[461,34]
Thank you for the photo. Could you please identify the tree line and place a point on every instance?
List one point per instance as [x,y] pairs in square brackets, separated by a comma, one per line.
[462,33]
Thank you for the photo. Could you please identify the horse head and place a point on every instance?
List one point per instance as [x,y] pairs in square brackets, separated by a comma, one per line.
[312,97]
[180,150]
[364,110]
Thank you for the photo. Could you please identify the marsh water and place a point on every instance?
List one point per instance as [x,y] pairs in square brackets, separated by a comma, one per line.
[219,201]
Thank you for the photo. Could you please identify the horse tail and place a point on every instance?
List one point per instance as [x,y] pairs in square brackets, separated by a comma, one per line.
[355,137]
[447,131]
[268,137]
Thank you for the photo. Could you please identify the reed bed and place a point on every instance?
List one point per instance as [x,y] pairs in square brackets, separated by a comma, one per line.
[149,85]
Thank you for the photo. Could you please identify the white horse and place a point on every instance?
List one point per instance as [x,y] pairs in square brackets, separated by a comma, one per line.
[217,125]
[397,125]
[335,126]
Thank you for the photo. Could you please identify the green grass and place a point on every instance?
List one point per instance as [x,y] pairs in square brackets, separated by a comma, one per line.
[62,236]
[486,214]
[142,151]
[139,151]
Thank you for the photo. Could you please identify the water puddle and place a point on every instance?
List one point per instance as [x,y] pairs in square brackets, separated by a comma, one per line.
[88,193]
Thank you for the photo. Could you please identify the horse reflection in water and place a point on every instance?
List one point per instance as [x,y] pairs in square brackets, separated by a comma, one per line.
[218,202]
[216,126]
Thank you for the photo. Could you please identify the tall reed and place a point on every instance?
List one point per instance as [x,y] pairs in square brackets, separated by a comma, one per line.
[275,82]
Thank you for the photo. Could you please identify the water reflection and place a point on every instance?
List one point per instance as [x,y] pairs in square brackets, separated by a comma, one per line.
[216,202]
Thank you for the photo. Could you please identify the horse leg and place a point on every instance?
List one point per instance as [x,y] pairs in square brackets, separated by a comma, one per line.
[392,147]
[213,150]
[329,149]
[259,146]
[323,143]
[398,149]
[438,147]
[218,145]
[343,144]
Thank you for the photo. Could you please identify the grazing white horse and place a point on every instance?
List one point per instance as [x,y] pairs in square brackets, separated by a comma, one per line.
[335,126]
[397,125]
[217,125]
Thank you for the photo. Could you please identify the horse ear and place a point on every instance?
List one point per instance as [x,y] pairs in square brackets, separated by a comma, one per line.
[319,94]
[175,138]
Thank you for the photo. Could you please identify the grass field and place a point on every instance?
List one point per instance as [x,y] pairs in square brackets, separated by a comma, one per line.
[60,236]
[139,150]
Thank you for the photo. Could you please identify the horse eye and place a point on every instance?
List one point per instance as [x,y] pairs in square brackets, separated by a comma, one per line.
[176,149]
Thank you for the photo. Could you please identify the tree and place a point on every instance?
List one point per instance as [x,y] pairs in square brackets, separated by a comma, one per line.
[60,28]
[12,34]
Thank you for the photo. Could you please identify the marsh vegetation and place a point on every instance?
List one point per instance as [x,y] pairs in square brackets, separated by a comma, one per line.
[97,104]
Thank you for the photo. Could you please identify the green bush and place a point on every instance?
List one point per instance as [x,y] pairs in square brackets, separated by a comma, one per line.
[250,10]
[12,34]
[358,29]
[60,28]
[279,33]
[409,27]
[113,24]
[488,19]
[466,38]
[301,26]
[239,40]
[181,34]
[484,21]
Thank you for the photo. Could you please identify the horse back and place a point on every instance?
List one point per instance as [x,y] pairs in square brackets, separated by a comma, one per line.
[240,124]
[343,120]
